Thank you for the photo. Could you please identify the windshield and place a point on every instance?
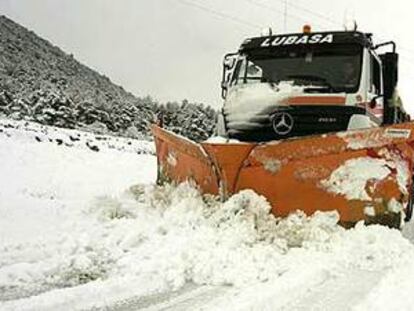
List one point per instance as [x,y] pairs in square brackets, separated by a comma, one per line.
[328,69]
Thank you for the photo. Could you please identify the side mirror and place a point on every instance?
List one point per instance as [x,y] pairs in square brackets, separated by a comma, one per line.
[229,63]
[373,102]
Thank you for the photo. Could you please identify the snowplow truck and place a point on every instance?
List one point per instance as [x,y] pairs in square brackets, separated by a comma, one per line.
[311,121]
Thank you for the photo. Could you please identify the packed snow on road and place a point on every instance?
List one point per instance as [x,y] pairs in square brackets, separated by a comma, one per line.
[83,226]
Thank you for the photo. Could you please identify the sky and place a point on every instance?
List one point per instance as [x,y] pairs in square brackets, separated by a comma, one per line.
[173,49]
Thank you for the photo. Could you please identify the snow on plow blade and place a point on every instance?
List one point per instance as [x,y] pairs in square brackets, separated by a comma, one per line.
[364,174]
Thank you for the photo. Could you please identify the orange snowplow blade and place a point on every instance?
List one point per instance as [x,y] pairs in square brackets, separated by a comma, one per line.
[363,174]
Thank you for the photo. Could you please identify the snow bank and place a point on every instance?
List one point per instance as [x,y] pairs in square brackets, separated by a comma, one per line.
[24,130]
[70,239]
[164,237]
[44,186]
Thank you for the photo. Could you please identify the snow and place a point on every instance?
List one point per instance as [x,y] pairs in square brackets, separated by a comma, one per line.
[394,290]
[358,121]
[46,188]
[271,165]
[222,140]
[42,83]
[351,178]
[18,130]
[394,206]
[249,105]
[355,140]
[171,159]
[403,173]
[81,230]
[369,211]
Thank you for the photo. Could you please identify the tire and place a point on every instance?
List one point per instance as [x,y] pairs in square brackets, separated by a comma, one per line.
[409,210]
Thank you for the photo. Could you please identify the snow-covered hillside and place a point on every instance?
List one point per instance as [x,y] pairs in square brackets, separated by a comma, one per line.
[82,226]
[40,82]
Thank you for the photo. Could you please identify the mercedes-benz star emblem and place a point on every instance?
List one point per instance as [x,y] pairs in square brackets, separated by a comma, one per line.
[282,123]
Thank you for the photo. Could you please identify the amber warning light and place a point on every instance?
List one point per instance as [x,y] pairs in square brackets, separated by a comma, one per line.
[307,29]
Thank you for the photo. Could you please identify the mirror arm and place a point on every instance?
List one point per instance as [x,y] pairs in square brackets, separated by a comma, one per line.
[226,67]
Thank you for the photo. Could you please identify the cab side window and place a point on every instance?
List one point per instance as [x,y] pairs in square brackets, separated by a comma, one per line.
[236,72]
[375,76]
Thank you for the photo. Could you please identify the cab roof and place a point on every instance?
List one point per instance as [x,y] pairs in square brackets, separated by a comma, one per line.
[308,39]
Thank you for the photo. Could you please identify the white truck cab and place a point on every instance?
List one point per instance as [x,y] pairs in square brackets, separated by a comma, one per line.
[282,86]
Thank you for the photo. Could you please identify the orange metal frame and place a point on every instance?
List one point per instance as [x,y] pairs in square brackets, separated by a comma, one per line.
[289,173]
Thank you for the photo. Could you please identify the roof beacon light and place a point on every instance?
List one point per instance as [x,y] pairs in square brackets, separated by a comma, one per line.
[350,25]
[307,28]
[267,32]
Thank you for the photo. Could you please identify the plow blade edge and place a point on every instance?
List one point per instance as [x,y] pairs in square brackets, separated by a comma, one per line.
[363,174]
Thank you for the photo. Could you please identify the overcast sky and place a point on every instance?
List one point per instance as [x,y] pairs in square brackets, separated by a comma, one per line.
[172,49]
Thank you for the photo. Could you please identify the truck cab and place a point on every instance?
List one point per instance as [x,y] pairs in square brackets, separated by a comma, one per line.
[282,86]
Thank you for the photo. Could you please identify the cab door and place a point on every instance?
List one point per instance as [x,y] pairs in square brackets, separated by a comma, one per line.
[375,98]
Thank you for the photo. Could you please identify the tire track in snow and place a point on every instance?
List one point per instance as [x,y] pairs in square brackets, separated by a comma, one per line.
[190,297]
[338,293]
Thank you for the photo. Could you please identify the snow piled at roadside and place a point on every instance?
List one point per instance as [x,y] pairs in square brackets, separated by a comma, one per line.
[155,239]
[72,138]
[74,234]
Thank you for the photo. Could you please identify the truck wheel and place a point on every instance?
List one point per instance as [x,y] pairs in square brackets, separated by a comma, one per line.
[409,211]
